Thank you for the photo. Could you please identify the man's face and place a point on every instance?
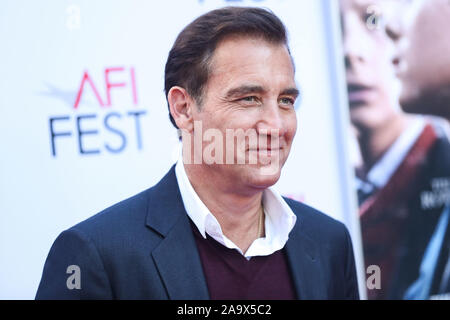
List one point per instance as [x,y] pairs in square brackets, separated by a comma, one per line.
[368,53]
[424,48]
[251,86]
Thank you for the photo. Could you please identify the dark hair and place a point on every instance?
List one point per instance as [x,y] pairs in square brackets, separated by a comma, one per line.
[188,64]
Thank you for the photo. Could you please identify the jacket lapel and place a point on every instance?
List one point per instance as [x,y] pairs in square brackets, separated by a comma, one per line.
[176,257]
[178,261]
[304,260]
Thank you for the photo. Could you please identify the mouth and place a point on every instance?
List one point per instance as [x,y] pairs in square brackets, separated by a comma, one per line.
[265,153]
[359,94]
[264,156]
[262,150]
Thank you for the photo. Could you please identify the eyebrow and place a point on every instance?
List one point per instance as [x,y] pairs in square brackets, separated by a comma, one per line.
[246,89]
[243,90]
[291,92]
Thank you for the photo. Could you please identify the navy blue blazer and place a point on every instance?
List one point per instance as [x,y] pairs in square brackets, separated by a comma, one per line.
[144,248]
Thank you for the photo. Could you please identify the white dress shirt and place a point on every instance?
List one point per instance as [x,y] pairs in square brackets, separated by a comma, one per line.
[279,218]
[379,175]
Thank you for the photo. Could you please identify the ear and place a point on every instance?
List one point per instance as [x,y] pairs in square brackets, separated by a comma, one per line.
[181,105]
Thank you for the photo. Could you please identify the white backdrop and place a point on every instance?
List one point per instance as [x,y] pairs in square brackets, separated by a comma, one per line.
[84,122]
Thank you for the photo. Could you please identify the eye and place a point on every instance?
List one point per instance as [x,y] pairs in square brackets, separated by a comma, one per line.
[249,99]
[374,19]
[285,101]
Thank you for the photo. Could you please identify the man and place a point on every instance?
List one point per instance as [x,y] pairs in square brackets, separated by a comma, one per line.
[214,229]
[399,152]
[419,30]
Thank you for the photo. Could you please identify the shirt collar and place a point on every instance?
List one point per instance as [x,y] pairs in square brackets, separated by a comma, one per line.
[383,170]
[280,219]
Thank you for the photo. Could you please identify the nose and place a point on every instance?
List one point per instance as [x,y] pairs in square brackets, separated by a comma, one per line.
[354,40]
[394,29]
[272,121]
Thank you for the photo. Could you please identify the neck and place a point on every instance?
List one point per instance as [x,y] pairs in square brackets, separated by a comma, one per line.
[374,143]
[238,213]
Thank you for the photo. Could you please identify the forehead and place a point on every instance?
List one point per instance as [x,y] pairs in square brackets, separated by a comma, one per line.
[374,6]
[243,61]
[356,4]
[244,54]
[432,9]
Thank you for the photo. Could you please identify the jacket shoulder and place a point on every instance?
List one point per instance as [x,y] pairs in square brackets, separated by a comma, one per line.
[336,249]
[126,214]
[316,224]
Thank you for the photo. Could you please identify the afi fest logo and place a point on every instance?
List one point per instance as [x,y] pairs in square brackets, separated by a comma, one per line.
[112,127]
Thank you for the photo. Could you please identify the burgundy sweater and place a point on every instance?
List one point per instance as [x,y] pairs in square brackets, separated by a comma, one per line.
[230,276]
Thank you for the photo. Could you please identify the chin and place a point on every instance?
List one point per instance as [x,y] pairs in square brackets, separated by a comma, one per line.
[264,177]
[410,100]
[428,102]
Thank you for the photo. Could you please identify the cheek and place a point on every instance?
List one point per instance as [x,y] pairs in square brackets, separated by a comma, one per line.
[381,50]
[209,120]
[381,55]
[242,119]
[384,80]
[417,51]
[291,127]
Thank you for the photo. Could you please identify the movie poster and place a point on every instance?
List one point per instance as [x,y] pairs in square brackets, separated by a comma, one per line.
[397,63]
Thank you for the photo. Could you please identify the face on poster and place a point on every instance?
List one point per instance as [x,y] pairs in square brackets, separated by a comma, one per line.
[398,80]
